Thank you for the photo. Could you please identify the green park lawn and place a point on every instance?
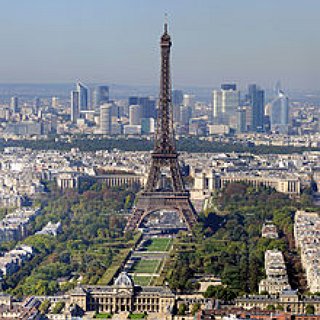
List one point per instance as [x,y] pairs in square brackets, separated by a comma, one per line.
[103,316]
[137,316]
[141,280]
[158,244]
[146,266]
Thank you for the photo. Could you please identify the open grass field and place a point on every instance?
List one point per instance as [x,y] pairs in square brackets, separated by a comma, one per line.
[137,316]
[146,266]
[103,316]
[158,244]
[141,280]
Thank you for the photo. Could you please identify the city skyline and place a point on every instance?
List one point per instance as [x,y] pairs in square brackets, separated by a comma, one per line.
[108,42]
[118,204]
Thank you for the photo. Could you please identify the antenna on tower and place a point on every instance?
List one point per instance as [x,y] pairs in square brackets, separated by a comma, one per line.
[165,23]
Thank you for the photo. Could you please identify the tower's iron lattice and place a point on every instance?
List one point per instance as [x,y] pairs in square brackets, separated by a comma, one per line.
[164,156]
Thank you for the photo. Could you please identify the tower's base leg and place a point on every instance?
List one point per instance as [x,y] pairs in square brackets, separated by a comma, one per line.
[156,201]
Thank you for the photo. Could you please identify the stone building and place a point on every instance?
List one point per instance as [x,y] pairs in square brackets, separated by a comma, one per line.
[121,179]
[270,231]
[67,180]
[307,239]
[277,278]
[124,297]
[288,301]
[208,180]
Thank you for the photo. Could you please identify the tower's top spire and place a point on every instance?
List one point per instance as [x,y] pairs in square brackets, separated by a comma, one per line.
[165,39]
[165,23]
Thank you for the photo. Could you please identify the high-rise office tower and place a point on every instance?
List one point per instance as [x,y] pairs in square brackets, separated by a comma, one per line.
[148,105]
[177,97]
[14,104]
[229,87]
[79,101]
[54,102]
[106,118]
[225,104]
[188,100]
[83,96]
[133,100]
[279,115]
[241,120]
[147,125]
[100,96]
[74,106]
[185,115]
[177,100]
[256,101]
[36,103]
[135,114]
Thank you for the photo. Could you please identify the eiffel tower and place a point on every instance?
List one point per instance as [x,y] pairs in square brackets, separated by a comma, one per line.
[155,197]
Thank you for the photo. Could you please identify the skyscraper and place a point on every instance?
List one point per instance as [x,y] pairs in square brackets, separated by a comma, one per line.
[188,100]
[106,118]
[14,104]
[36,103]
[133,100]
[135,114]
[185,115]
[83,96]
[177,97]
[147,125]
[79,101]
[74,105]
[100,96]
[225,104]
[256,101]
[177,100]
[54,102]
[279,115]
[148,105]
[241,120]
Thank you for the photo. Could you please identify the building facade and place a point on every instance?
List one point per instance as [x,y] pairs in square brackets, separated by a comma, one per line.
[289,301]
[225,104]
[100,96]
[307,239]
[124,297]
[74,105]
[135,114]
[279,115]
[83,97]
[256,101]
[207,181]
[277,278]
[106,118]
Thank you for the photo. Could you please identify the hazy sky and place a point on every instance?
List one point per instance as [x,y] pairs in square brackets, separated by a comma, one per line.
[116,41]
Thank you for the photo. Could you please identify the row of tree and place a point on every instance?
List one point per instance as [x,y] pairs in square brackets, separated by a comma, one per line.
[190,144]
[92,236]
[228,240]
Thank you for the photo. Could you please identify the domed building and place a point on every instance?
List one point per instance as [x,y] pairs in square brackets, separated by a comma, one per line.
[124,297]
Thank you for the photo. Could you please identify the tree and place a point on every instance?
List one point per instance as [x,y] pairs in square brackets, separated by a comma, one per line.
[195,307]
[310,309]
[128,202]
[220,292]
[44,307]
[253,273]
[182,309]
[271,307]
[58,307]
